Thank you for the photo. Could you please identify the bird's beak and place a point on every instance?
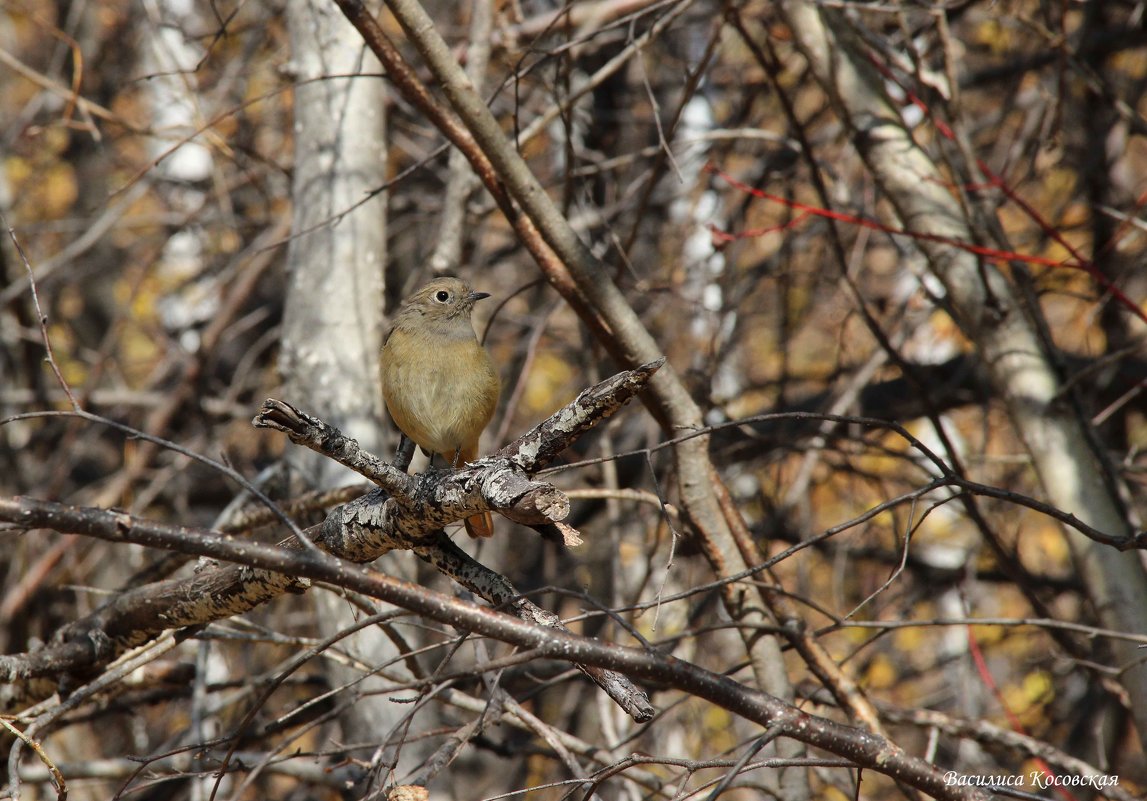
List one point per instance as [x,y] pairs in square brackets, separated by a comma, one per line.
[474,296]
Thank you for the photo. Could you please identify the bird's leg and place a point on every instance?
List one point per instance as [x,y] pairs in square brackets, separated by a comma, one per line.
[405,452]
[457,455]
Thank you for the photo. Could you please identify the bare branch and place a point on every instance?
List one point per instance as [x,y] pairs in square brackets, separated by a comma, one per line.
[863,748]
[405,513]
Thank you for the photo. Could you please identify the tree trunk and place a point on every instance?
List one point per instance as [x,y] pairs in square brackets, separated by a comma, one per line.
[332,327]
[1005,330]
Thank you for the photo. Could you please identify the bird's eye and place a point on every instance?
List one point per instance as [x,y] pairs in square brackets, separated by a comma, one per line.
[442,296]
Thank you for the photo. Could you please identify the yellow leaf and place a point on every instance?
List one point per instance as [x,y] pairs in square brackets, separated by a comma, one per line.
[881,673]
[548,385]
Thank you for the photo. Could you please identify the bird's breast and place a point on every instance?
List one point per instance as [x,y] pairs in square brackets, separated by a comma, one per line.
[440,390]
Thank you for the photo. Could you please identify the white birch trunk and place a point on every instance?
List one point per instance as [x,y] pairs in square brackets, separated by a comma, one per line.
[332,327]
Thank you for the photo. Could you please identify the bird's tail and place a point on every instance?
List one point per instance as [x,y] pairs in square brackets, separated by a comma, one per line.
[480,526]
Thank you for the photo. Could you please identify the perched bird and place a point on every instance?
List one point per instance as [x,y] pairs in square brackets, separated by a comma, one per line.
[438,382]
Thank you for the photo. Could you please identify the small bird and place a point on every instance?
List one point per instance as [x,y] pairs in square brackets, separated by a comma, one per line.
[438,382]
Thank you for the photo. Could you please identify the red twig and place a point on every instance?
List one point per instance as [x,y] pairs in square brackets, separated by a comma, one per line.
[993,254]
[990,682]
[997,181]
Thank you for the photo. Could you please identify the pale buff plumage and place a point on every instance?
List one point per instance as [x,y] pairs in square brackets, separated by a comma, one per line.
[438,382]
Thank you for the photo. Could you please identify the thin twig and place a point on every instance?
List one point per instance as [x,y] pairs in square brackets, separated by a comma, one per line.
[40,316]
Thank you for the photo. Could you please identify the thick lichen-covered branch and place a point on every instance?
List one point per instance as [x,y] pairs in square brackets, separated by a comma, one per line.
[403,513]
